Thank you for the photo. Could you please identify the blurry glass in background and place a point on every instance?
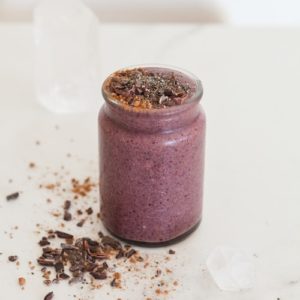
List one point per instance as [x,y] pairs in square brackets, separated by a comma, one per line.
[67,56]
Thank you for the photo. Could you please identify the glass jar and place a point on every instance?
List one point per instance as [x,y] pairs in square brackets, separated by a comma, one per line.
[151,166]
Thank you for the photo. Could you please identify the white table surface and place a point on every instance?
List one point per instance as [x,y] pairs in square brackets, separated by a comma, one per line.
[252,192]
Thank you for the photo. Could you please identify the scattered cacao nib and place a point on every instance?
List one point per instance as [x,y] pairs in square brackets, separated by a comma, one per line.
[79,212]
[130,253]
[67,204]
[47,282]
[120,254]
[109,241]
[82,256]
[13,196]
[66,247]
[80,223]
[113,282]
[171,251]
[45,262]
[99,275]
[63,235]
[51,236]
[13,258]
[105,265]
[89,211]
[75,280]
[49,296]
[63,276]
[67,216]
[100,234]
[32,165]
[59,267]
[44,242]
[144,88]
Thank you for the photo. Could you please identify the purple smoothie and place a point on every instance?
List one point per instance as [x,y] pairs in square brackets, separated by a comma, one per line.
[151,166]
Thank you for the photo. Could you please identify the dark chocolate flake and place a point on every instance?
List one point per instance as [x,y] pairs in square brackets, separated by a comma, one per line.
[130,253]
[105,265]
[49,296]
[171,251]
[13,258]
[63,235]
[120,254]
[63,276]
[47,282]
[89,211]
[80,223]
[113,283]
[109,241]
[59,267]
[67,204]
[67,216]
[45,262]
[13,196]
[68,247]
[44,242]
[99,275]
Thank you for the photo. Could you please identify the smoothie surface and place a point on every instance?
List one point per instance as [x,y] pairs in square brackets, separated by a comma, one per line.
[148,88]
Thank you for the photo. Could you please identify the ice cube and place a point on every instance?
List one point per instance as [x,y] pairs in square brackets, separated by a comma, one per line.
[67,56]
[231,269]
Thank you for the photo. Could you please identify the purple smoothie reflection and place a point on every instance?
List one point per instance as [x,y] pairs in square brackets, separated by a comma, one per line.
[152,155]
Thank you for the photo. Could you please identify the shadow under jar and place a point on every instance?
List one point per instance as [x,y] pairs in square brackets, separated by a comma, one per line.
[151,166]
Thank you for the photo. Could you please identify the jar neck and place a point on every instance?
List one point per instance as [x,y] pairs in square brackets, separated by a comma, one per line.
[160,120]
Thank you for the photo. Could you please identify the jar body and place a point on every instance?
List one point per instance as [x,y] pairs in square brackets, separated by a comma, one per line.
[151,183]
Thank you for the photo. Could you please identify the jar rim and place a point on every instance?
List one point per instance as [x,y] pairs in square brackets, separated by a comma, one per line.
[196,96]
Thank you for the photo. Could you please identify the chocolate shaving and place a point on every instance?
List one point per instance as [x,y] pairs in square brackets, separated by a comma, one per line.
[44,242]
[105,265]
[130,253]
[45,262]
[63,235]
[47,282]
[13,196]
[99,275]
[59,267]
[67,204]
[171,251]
[82,256]
[89,211]
[113,282]
[49,296]
[120,254]
[63,276]
[67,216]
[80,223]
[109,241]
[13,258]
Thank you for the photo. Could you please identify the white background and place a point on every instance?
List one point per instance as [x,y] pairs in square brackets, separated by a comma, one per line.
[237,12]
